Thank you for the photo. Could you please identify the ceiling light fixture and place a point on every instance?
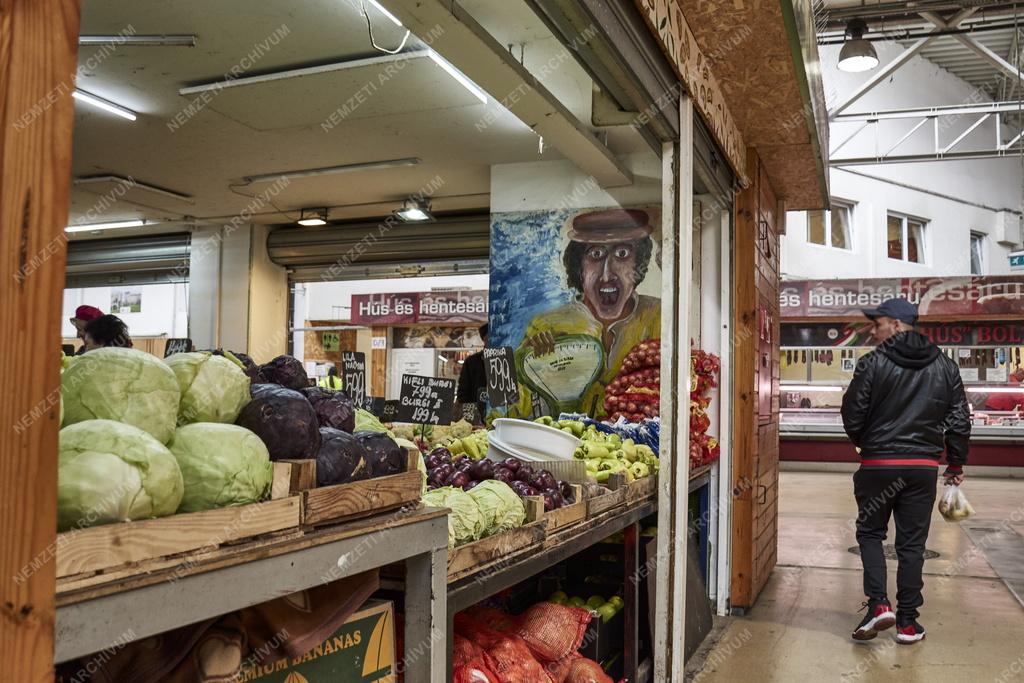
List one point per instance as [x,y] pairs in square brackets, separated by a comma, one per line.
[415,211]
[809,387]
[327,170]
[103,104]
[312,217]
[382,10]
[182,40]
[857,54]
[132,184]
[106,226]
[459,76]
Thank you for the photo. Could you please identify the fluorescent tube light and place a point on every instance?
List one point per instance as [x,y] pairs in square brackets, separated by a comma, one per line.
[185,40]
[459,76]
[345,168]
[105,226]
[313,217]
[389,15]
[809,387]
[103,104]
[996,390]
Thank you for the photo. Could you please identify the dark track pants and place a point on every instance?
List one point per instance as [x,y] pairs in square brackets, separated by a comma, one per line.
[909,495]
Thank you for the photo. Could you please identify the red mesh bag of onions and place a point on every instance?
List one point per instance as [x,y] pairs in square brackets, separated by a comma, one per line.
[587,671]
[473,672]
[553,631]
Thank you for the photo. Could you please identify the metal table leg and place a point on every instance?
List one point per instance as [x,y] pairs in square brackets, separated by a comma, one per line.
[426,646]
[630,647]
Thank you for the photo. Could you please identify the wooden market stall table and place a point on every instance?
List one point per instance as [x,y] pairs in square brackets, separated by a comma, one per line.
[94,612]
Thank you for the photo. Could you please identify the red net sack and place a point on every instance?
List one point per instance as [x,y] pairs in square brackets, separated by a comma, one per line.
[553,631]
[558,671]
[476,632]
[511,660]
[473,672]
[465,651]
[494,618]
[586,671]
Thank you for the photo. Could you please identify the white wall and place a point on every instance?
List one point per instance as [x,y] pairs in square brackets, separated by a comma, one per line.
[955,197]
[164,309]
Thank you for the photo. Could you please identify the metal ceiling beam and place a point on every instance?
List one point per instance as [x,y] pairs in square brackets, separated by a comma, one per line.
[468,46]
[905,56]
[1002,152]
[945,110]
[988,55]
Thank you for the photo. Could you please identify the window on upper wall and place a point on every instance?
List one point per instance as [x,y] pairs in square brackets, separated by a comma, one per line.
[831,228]
[905,238]
[977,253]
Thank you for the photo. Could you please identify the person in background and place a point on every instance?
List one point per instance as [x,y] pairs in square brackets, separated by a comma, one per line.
[83,315]
[905,404]
[331,380]
[106,330]
[472,379]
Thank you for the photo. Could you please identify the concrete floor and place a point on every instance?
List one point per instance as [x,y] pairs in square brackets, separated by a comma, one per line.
[799,630]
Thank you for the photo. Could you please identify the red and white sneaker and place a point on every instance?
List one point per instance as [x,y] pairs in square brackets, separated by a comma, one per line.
[909,633]
[879,618]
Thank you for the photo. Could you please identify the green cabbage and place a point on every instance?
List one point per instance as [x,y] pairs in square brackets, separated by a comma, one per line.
[222,465]
[367,422]
[465,523]
[499,506]
[213,388]
[125,385]
[112,472]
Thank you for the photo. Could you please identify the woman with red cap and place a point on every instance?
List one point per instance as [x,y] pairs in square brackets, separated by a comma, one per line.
[84,315]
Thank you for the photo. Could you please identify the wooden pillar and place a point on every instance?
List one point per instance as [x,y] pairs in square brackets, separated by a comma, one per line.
[38,49]
[755,386]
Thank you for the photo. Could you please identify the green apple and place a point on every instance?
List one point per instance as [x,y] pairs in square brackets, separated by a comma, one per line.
[617,601]
[577,602]
[607,611]
[595,601]
[559,596]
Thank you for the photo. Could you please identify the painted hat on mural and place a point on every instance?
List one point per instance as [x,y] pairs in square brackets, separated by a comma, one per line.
[84,314]
[898,309]
[606,226]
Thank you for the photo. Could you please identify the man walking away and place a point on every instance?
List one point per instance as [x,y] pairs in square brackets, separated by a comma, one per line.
[905,403]
[473,381]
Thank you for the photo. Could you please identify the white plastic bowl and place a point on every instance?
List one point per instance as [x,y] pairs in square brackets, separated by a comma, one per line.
[536,438]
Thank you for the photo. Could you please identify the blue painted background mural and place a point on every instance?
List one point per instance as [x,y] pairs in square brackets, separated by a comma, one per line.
[572,291]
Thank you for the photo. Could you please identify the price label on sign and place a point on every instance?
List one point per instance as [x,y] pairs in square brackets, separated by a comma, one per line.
[500,370]
[353,370]
[390,411]
[426,400]
[176,345]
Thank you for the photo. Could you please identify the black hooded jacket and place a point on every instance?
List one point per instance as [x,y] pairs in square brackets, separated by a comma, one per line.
[906,401]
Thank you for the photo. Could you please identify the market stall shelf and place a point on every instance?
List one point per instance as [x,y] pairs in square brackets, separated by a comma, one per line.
[495,551]
[558,518]
[135,544]
[637,490]
[615,498]
[330,504]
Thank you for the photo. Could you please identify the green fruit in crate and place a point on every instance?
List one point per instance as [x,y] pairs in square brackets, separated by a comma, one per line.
[560,597]
[650,531]
[606,612]
[577,602]
[617,602]
[595,601]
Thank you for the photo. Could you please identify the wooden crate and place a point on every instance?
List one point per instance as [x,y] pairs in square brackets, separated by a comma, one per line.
[102,548]
[493,552]
[563,516]
[356,499]
[616,497]
[637,491]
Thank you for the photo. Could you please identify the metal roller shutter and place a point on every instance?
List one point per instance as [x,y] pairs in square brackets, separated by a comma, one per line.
[447,246]
[153,259]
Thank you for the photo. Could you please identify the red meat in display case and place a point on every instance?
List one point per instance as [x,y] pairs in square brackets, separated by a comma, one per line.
[704,370]
[635,393]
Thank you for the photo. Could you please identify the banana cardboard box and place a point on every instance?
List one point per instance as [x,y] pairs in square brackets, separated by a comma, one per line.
[361,651]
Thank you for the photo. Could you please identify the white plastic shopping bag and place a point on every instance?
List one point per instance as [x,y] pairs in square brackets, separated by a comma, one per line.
[953,505]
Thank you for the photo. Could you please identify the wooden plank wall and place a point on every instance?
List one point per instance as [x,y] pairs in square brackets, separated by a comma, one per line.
[755,387]
[38,51]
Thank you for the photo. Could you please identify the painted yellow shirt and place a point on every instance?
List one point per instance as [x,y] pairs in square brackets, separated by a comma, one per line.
[643,323]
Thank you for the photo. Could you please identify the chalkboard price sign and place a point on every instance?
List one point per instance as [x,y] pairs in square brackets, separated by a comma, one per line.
[390,411]
[353,370]
[176,345]
[426,400]
[373,405]
[500,370]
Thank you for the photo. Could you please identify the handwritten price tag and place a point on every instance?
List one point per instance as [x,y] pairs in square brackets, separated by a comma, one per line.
[426,400]
[353,369]
[500,370]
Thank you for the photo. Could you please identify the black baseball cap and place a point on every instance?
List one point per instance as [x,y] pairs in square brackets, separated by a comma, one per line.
[898,309]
